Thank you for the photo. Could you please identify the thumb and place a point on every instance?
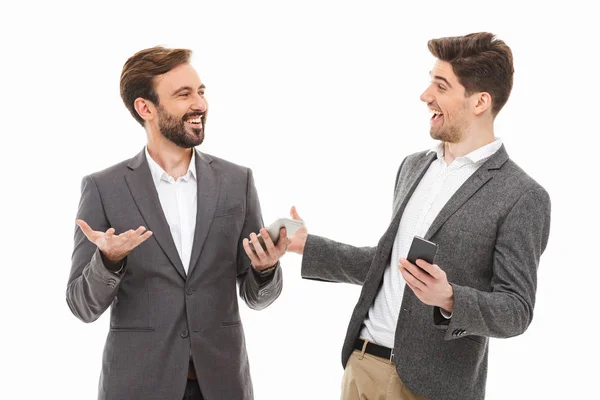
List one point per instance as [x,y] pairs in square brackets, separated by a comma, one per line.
[294,214]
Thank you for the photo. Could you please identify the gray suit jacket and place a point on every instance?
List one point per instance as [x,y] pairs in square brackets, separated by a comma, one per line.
[491,235]
[159,315]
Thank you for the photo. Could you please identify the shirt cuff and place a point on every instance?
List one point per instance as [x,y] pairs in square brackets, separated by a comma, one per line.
[445,314]
[117,268]
[266,274]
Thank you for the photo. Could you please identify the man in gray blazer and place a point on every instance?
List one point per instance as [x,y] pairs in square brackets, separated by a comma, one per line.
[175,329]
[422,331]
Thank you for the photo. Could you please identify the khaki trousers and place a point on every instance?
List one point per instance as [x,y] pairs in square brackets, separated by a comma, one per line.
[368,377]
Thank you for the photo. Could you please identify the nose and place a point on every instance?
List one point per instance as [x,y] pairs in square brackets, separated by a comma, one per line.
[426,96]
[200,103]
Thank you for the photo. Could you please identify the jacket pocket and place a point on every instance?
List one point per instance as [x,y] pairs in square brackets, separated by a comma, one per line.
[231,210]
[130,329]
[477,339]
[231,323]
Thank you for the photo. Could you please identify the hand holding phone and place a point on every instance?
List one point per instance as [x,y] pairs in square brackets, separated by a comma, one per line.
[290,225]
[422,249]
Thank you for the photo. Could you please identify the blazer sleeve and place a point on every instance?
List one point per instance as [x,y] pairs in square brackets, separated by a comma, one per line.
[91,287]
[508,309]
[330,261]
[257,289]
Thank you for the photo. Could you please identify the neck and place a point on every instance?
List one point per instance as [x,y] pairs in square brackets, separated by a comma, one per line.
[471,141]
[174,160]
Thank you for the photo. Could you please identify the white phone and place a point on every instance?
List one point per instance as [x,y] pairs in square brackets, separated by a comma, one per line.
[291,226]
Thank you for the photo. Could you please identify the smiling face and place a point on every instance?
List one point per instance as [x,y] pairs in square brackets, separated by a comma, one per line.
[182,107]
[447,100]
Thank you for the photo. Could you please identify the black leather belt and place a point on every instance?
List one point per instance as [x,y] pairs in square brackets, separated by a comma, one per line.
[375,349]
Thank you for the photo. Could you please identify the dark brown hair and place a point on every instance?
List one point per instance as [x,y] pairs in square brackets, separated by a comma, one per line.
[139,71]
[481,62]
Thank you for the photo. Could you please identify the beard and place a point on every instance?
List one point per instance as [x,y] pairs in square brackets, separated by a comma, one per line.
[450,134]
[174,129]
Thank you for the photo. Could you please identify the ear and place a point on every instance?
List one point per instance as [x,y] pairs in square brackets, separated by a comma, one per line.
[145,108]
[484,103]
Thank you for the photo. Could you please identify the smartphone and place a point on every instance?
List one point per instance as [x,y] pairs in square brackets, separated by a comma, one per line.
[291,226]
[422,249]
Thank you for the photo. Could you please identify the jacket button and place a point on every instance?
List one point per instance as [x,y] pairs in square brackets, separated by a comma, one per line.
[185,333]
[189,291]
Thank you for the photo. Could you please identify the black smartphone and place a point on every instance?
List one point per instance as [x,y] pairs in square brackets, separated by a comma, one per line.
[422,249]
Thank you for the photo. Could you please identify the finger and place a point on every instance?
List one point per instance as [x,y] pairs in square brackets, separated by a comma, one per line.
[134,238]
[110,233]
[258,249]
[270,246]
[85,228]
[409,278]
[140,230]
[127,235]
[284,241]
[431,269]
[143,237]
[415,271]
[250,253]
[414,288]
[294,214]
[131,239]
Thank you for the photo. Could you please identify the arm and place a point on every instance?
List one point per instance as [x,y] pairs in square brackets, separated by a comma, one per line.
[92,286]
[257,289]
[331,261]
[508,309]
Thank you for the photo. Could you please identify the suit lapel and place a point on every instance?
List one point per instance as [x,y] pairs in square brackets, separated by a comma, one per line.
[141,186]
[209,185]
[468,189]
[407,183]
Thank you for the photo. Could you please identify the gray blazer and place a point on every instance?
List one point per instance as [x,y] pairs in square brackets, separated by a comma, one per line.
[159,315]
[491,235]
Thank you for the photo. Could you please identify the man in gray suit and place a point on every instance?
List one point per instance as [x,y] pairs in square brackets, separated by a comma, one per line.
[421,331]
[175,329]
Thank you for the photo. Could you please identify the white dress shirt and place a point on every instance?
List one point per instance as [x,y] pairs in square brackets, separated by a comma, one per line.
[438,185]
[178,199]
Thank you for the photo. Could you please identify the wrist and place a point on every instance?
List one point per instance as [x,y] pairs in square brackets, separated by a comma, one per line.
[300,249]
[264,269]
[448,304]
[113,265]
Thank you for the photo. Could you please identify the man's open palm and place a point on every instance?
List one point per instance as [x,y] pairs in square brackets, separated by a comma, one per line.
[114,247]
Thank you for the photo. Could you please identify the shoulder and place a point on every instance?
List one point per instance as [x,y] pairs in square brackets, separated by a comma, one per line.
[223,166]
[110,174]
[514,179]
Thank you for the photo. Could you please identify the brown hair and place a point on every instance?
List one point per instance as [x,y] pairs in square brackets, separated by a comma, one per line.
[139,71]
[481,62]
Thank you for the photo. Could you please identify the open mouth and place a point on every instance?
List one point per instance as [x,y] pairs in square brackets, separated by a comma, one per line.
[195,120]
[436,117]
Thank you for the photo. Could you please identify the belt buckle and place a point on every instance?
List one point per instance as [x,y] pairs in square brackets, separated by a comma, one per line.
[392,356]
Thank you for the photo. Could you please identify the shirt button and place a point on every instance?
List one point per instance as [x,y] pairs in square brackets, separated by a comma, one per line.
[185,333]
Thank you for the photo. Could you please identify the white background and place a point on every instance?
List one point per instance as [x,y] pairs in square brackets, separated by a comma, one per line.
[321,100]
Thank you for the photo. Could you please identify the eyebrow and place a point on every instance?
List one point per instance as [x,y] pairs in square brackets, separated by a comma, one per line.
[181,89]
[441,78]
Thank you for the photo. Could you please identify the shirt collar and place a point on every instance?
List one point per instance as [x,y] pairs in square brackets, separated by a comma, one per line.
[476,156]
[159,174]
